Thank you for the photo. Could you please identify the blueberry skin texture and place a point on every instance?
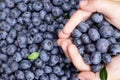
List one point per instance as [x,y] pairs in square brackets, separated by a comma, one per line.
[106,31]
[29,75]
[14,66]
[102,45]
[57,2]
[47,69]
[77,41]
[37,38]
[22,6]
[25,64]
[42,14]
[19,74]
[44,56]
[86,58]
[96,57]
[96,68]
[37,6]
[90,48]
[2,5]
[56,11]
[93,34]
[17,57]
[81,50]
[38,63]
[76,33]
[106,58]
[39,72]
[47,45]
[54,59]
[85,38]
[97,17]
[83,27]
[114,48]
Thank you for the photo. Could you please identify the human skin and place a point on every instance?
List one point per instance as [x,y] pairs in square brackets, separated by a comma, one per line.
[111,11]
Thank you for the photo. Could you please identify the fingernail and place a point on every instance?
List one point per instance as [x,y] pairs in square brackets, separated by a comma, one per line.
[83,2]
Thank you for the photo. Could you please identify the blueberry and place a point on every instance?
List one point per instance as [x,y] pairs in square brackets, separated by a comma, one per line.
[47,6]
[37,6]
[26,14]
[11,77]
[106,58]
[20,20]
[66,6]
[3,43]
[102,45]
[2,16]
[36,21]
[86,58]
[116,34]
[90,48]
[72,12]
[11,49]
[44,77]
[29,75]
[85,38]
[14,66]
[3,34]
[33,48]
[21,39]
[33,31]
[114,48]
[38,63]
[56,11]
[97,17]
[94,34]
[47,45]
[19,75]
[53,77]
[26,1]
[54,59]
[25,64]
[48,35]
[15,13]
[29,39]
[57,2]
[22,6]
[5,26]
[9,3]
[47,69]
[51,28]
[106,31]
[11,21]
[64,78]
[77,41]
[3,57]
[13,33]
[16,1]
[49,18]
[112,40]
[43,27]
[55,50]
[42,14]
[37,38]
[39,72]
[2,5]
[96,57]
[76,33]
[35,14]
[7,70]
[44,56]
[96,68]
[81,50]
[17,57]
[83,27]
[9,40]
[57,69]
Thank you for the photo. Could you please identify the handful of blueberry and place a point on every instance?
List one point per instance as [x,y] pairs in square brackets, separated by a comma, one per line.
[97,41]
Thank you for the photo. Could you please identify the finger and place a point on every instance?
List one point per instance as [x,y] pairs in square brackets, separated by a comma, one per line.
[77,59]
[64,44]
[88,76]
[78,16]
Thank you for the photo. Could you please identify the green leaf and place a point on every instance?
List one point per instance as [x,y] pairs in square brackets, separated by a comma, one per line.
[34,56]
[103,74]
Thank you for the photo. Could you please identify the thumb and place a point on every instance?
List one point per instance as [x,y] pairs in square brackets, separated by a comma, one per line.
[110,8]
[88,76]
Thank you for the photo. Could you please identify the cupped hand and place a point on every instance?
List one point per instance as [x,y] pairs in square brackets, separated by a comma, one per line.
[111,10]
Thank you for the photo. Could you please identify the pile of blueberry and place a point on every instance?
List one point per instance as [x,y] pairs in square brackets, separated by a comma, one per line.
[97,41]
[32,26]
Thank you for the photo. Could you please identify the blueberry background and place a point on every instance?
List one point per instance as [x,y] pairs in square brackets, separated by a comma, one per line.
[28,26]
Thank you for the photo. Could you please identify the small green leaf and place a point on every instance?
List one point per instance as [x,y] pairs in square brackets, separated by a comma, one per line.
[103,74]
[34,56]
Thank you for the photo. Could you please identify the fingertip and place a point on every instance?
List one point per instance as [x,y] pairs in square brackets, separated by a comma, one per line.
[62,35]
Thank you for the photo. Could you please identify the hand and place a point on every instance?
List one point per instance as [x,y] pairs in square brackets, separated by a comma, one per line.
[111,10]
